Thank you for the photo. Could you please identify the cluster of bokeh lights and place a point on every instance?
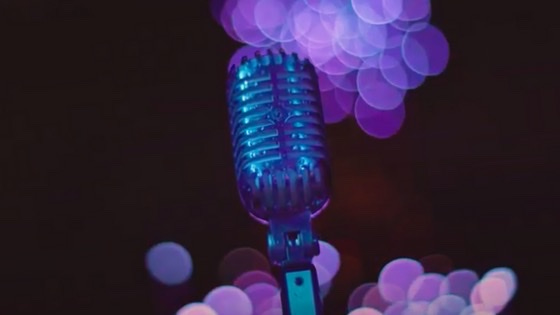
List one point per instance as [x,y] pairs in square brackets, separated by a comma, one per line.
[404,286]
[368,53]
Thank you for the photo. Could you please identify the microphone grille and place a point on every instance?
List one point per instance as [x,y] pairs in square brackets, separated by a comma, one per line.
[278,135]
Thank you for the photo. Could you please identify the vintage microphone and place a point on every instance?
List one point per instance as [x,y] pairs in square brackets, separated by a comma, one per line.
[281,164]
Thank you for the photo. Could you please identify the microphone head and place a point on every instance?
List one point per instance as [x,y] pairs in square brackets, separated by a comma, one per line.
[278,134]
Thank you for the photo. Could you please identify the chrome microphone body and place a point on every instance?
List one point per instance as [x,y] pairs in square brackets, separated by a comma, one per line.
[281,164]
[278,136]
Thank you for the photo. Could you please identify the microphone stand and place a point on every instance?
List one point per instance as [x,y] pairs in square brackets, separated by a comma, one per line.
[292,246]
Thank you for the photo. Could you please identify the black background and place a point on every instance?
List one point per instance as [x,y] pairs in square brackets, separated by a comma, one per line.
[117,138]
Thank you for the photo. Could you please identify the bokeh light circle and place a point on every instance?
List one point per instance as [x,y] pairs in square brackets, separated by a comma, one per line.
[413,10]
[245,26]
[374,299]
[247,9]
[395,37]
[472,310]
[494,293]
[307,28]
[375,35]
[320,57]
[252,277]
[327,7]
[357,46]
[376,91]
[416,308]
[371,62]
[426,51]
[346,100]
[328,257]
[397,308]
[460,283]
[241,260]
[425,288]
[346,82]
[259,293]
[169,263]
[350,61]
[226,21]
[271,17]
[365,311]
[229,300]
[475,298]
[380,124]
[397,276]
[273,302]
[507,275]
[378,11]
[346,24]
[412,26]
[446,305]
[294,47]
[395,70]
[324,277]
[357,296]
[196,309]
[325,83]
[332,113]
[313,4]
[334,65]
[299,19]
[272,311]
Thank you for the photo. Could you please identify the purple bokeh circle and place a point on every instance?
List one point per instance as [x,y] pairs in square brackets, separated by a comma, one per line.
[229,300]
[252,277]
[416,308]
[332,113]
[425,288]
[260,292]
[245,26]
[196,309]
[357,296]
[346,82]
[365,311]
[460,283]
[381,124]
[328,257]
[169,263]
[374,299]
[400,273]
[414,10]
[397,308]
[378,11]
[447,305]
[271,17]
[396,72]
[376,91]
[346,99]
[426,51]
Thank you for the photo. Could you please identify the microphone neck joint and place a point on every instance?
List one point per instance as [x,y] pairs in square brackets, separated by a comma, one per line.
[291,239]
